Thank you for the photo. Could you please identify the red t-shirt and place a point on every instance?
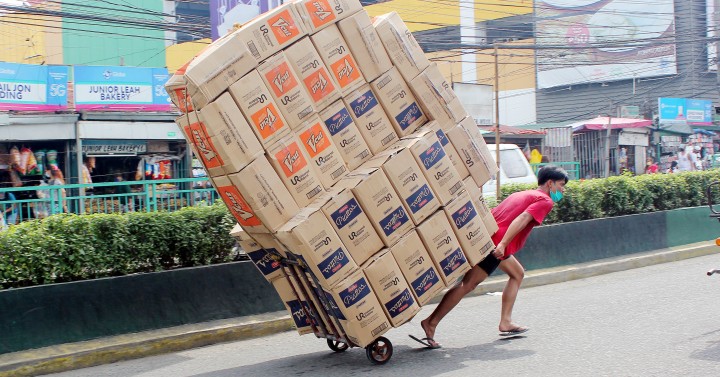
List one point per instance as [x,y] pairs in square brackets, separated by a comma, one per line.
[535,202]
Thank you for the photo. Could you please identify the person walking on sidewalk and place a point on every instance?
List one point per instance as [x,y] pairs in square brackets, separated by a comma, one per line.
[516,216]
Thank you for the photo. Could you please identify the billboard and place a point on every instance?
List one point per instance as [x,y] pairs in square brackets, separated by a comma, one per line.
[225,13]
[713,23]
[27,87]
[121,88]
[690,111]
[585,41]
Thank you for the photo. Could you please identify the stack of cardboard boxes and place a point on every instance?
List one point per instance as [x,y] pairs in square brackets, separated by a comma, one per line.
[334,141]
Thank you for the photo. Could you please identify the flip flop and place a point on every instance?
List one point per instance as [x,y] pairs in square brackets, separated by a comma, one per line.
[428,344]
[515,331]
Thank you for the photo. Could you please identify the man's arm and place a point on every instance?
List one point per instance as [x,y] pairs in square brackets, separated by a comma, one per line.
[516,226]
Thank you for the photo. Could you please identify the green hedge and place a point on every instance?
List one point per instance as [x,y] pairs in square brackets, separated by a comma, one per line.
[627,195]
[65,248]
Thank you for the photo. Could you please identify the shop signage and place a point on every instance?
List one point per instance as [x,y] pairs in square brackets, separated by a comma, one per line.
[28,87]
[692,111]
[633,138]
[109,147]
[121,88]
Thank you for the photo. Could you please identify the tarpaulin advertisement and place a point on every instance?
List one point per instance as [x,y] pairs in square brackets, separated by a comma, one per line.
[121,88]
[225,13]
[27,87]
[691,111]
[586,41]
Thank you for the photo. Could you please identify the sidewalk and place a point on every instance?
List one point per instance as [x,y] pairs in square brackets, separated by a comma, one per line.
[112,349]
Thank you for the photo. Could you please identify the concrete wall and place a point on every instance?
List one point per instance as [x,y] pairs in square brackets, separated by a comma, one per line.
[70,312]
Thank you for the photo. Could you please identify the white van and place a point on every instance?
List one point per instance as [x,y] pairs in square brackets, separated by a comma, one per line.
[514,168]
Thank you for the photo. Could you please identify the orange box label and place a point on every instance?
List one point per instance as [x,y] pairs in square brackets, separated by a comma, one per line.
[319,84]
[346,71]
[238,206]
[184,101]
[203,143]
[267,121]
[320,12]
[281,79]
[315,140]
[291,159]
[283,26]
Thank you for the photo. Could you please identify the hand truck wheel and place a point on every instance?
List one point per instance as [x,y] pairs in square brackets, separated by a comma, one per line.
[380,351]
[337,346]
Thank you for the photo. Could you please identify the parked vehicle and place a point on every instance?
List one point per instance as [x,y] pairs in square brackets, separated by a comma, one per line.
[514,168]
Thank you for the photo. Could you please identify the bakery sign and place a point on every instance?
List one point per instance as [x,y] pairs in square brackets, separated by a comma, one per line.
[113,148]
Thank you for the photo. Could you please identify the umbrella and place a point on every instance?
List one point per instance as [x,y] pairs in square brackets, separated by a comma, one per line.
[601,123]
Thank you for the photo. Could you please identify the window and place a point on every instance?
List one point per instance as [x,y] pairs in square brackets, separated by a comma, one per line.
[512,163]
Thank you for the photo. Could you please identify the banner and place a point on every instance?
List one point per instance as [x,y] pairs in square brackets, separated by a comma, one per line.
[713,23]
[121,88]
[690,111]
[586,41]
[225,13]
[27,87]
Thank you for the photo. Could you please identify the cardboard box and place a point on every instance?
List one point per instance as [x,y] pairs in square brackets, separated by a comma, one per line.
[453,154]
[352,225]
[231,135]
[471,128]
[370,117]
[302,320]
[310,235]
[322,152]
[345,135]
[401,46]
[337,56]
[261,257]
[469,228]
[259,108]
[437,98]
[444,249]
[216,68]
[317,14]
[271,244]
[408,181]
[258,198]
[484,211]
[436,166]
[365,45]
[471,154]
[418,268]
[293,100]
[391,289]
[381,203]
[198,136]
[363,318]
[288,158]
[176,88]
[399,102]
[272,31]
[312,71]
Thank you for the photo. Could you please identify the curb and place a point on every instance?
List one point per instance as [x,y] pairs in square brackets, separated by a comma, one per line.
[125,347]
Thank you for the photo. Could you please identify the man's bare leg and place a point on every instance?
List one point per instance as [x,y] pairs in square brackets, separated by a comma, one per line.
[453,296]
[515,272]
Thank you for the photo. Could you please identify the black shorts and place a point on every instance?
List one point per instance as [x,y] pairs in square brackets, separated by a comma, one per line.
[489,264]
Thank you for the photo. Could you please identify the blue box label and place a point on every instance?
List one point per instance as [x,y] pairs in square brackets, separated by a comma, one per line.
[464,215]
[355,292]
[432,155]
[400,303]
[334,263]
[364,103]
[425,282]
[420,198]
[338,122]
[452,262]
[264,262]
[347,213]
[299,314]
[409,115]
[394,220]
[441,136]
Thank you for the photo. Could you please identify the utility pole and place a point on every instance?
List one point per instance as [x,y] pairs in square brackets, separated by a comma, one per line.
[497,123]
[607,141]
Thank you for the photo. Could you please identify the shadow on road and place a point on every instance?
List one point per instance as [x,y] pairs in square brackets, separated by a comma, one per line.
[418,362]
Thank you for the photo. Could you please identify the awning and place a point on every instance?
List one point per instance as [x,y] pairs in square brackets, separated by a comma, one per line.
[601,123]
[676,127]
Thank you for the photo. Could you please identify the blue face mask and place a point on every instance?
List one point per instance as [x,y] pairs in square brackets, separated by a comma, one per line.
[556,195]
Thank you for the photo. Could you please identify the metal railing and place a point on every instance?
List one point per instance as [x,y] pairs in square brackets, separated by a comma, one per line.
[571,167]
[112,197]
